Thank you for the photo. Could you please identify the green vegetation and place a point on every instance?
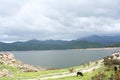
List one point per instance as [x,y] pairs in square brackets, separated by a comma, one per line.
[88,42]
[87,76]
[115,45]
[47,45]
[19,75]
[10,68]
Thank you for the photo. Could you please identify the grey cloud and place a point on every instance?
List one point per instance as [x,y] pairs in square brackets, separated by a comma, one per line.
[88,8]
[10,7]
[58,19]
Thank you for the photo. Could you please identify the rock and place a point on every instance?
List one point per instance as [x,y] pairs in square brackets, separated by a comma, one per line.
[5,73]
[10,56]
[1,55]
[8,59]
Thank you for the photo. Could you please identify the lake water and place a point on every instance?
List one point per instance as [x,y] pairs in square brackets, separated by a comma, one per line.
[60,58]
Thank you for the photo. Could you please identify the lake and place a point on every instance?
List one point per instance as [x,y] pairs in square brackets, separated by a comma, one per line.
[61,58]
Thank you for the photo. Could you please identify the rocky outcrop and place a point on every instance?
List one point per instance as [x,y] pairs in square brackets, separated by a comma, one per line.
[8,59]
[113,59]
[5,73]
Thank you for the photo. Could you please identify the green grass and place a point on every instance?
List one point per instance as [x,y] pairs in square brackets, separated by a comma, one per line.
[18,75]
[45,73]
[10,68]
[87,76]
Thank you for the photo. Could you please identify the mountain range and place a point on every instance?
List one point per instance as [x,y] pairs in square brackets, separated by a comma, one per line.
[104,40]
[46,45]
[87,42]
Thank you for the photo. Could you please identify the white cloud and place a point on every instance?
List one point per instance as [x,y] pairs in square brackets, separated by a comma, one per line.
[57,19]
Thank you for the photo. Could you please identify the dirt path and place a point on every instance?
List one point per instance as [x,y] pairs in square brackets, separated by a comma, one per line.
[70,74]
[88,69]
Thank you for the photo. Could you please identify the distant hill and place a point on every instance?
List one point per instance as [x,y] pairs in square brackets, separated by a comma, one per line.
[75,44]
[115,45]
[47,45]
[87,42]
[105,40]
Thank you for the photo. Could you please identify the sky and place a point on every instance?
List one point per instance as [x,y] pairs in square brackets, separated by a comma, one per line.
[22,20]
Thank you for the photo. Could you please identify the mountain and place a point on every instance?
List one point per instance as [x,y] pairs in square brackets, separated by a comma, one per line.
[105,40]
[115,45]
[47,45]
[94,41]
[83,44]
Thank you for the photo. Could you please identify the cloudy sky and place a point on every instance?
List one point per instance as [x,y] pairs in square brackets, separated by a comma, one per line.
[58,19]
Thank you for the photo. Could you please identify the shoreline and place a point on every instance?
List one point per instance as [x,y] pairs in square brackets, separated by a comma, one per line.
[102,48]
[106,48]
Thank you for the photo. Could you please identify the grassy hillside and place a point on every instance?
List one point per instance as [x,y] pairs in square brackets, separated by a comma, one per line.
[103,72]
[17,74]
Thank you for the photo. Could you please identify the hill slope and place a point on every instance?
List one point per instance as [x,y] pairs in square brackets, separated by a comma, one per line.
[47,45]
[115,45]
[105,40]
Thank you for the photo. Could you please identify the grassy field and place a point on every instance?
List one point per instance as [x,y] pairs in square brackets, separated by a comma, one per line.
[19,75]
[87,76]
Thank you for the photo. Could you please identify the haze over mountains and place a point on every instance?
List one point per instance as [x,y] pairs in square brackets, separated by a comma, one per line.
[105,40]
[87,42]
